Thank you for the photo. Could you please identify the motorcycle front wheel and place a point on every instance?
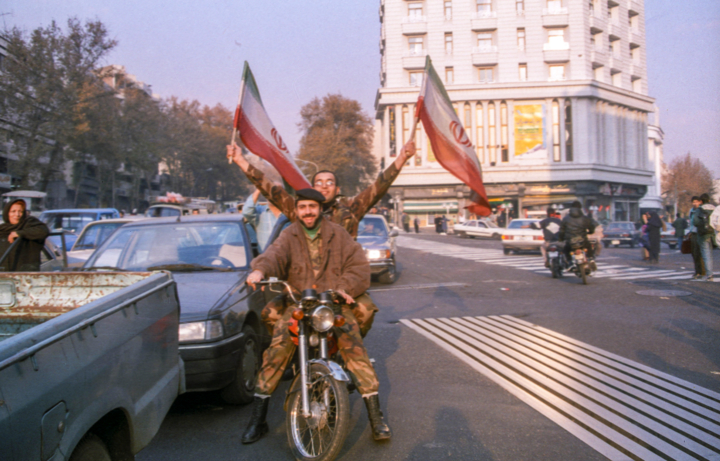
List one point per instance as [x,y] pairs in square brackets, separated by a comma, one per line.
[320,437]
[583,272]
[555,268]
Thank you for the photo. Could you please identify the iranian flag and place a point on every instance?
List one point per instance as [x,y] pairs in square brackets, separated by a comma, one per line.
[450,143]
[259,135]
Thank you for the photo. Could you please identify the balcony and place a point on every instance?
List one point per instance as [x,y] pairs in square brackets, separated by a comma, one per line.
[486,55]
[414,59]
[597,24]
[634,37]
[598,58]
[555,20]
[484,20]
[412,25]
[556,46]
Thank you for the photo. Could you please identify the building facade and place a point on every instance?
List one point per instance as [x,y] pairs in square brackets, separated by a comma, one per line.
[553,94]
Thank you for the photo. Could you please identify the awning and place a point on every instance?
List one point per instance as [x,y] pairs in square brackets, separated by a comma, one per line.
[430,206]
[534,200]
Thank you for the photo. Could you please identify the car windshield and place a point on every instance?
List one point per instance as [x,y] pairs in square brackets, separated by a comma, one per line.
[95,235]
[68,221]
[372,227]
[176,246]
[619,226]
[520,224]
[162,212]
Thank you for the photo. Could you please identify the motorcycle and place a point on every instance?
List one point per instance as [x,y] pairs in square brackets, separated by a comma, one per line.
[317,402]
[579,263]
[555,259]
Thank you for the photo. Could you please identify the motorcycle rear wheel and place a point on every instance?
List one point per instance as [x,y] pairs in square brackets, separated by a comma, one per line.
[583,272]
[555,268]
[321,437]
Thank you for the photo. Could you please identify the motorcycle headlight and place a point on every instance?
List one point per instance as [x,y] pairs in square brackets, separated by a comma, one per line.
[200,331]
[323,318]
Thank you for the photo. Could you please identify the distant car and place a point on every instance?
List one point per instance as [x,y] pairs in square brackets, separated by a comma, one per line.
[478,228]
[165,210]
[75,219]
[221,331]
[668,236]
[92,236]
[620,233]
[378,241]
[520,236]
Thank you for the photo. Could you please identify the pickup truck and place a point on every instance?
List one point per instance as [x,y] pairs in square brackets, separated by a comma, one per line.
[89,363]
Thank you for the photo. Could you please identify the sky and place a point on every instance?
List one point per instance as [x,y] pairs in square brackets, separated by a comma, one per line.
[299,50]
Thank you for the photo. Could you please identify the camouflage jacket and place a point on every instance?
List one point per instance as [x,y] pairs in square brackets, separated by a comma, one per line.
[343,265]
[343,210]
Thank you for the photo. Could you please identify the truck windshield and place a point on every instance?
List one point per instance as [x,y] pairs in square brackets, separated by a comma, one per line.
[206,245]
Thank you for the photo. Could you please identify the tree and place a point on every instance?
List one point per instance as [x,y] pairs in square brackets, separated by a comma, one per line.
[338,136]
[684,178]
[44,91]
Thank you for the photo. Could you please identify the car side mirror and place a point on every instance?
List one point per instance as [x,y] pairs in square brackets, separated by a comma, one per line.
[394,233]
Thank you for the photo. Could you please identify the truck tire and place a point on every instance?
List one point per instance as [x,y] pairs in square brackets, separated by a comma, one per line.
[242,390]
[90,448]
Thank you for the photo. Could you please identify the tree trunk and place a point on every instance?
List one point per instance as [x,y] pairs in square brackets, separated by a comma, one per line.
[112,192]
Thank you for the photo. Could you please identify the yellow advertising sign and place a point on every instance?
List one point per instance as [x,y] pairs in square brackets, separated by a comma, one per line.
[529,130]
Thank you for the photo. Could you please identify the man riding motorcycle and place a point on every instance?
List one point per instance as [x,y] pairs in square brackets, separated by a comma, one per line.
[314,252]
[339,209]
[574,230]
[551,229]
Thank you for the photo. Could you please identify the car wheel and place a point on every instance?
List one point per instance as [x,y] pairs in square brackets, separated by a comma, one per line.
[672,245]
[506,251]
[495,236]
[632,244]
[90,448]
[242,389]
[462,234]
[390,276]
[606,244]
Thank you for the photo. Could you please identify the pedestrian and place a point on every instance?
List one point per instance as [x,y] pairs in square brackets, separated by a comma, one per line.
[444,224]
[438,224]
[679,225]
[693,237]
[406,222]
[654,227]
[18,224]
[705,235]
[501,221]
[416,222]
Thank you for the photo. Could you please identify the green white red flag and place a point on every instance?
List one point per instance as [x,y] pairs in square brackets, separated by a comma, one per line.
[260,136]
[450,143]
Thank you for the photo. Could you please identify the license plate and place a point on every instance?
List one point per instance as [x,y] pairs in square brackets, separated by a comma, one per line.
[615,242]
[525,237]
[552,254]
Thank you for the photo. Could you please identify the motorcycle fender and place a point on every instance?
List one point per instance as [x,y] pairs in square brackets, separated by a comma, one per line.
[335,370]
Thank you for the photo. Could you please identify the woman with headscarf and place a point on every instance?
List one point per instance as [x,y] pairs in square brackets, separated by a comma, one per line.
[654,227]
[25,255]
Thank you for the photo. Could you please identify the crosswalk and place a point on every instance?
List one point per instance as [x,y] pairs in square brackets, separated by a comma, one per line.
[621,408]
[534,263]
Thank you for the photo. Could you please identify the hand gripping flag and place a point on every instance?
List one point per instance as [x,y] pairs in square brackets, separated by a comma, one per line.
[450,143]
[259,135]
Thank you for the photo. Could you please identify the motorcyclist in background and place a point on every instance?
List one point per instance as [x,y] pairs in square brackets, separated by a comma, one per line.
[551,228]
[574,230]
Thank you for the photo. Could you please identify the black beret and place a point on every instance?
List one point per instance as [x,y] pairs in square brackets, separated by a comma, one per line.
[309,194]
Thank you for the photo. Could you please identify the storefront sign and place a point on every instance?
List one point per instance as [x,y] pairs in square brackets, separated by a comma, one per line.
[529,128]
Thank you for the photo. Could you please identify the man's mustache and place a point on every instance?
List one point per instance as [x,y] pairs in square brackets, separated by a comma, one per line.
[309,215]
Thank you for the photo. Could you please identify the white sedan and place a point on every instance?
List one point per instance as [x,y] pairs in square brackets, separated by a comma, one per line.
[520,236]
[478,228]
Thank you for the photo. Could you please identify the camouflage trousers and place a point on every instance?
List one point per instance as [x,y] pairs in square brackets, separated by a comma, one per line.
[350,344]
[364,310]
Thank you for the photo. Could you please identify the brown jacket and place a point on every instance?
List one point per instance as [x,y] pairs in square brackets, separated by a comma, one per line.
[344,265]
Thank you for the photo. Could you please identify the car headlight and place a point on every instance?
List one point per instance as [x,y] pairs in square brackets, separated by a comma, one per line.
[200,331]
[323,318]
[378,254]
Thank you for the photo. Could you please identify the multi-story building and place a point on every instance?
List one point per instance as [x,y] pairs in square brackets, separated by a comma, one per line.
[553,94]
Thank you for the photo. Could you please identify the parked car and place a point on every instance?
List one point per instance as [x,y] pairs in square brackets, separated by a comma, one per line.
[221,333]
[163,210]
[75,219]
[92,236]
[378,241]
[668,236]
[520,236]
[620,233]
[478,228]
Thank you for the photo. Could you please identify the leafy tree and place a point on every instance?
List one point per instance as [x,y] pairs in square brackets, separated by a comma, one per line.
[684,178]
[338,136]
[44,91]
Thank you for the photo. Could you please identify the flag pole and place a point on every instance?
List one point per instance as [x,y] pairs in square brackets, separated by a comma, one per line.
[237,113]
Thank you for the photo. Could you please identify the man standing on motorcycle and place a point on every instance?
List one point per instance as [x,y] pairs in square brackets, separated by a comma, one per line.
[346,211]
[551,228]
[574,230]
[314,252]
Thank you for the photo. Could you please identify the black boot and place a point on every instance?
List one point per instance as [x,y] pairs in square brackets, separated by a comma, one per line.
[257,427]
[380,430]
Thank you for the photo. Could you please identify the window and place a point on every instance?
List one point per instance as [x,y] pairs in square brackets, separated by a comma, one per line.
[415,11]
[556,38]
[467,118]
[484,41]
[479,138]
[596,41]
[449,44]
[522,72]
[504,141]
[492,134]
[635,54]
[521,39]
[591,7]
[634,20]
[613,14]
[448,11]
[617,79]
[520,7]
[415,46]
[449,76]
[405,124]
[556,130]
[554,6]
[484,6]
[637,85]
[615,47]
[485,75]
[416,78]
[598,71]
[568,132]
[557,73]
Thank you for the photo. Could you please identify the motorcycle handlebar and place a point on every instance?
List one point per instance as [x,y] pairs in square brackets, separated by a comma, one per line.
[289,289]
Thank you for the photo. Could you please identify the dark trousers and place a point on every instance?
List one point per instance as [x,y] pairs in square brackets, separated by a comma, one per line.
[406,226]
[697,254]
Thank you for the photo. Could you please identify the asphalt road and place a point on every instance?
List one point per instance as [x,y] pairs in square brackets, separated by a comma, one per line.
[569,372]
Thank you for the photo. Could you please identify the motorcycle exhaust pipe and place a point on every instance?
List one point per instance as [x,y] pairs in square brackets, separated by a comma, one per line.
[302,345]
